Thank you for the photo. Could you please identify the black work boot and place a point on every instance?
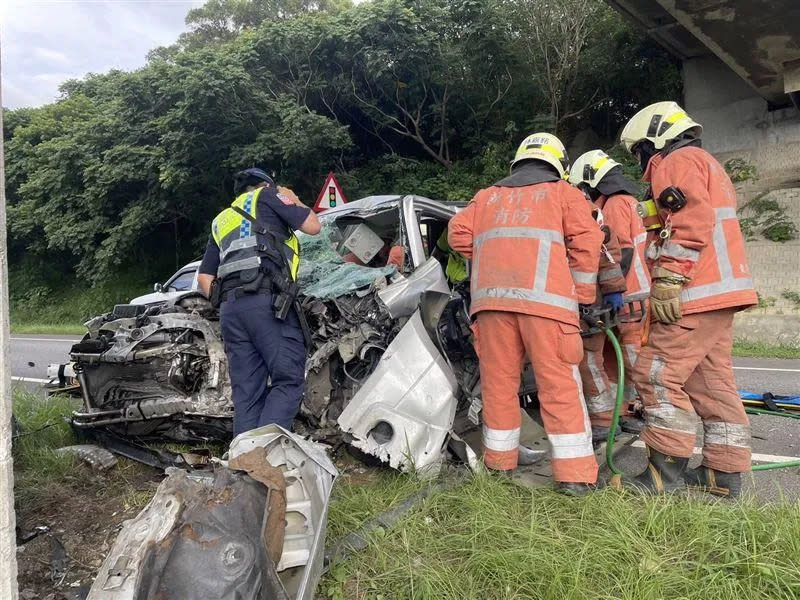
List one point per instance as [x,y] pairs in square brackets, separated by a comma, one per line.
[571,488]
[631,424]
[663,474]
[600,433]
[718,483]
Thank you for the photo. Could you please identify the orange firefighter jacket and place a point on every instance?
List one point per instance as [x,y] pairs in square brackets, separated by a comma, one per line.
[706,243]
[619,213]
[609,273]
[534,249]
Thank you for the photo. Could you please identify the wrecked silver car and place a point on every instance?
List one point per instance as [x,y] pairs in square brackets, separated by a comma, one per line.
[389,365]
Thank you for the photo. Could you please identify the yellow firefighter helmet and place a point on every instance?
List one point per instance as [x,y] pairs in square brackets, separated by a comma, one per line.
[545,147]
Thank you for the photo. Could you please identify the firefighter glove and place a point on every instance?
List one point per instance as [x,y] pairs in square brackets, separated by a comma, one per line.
[614,300]
[665,295]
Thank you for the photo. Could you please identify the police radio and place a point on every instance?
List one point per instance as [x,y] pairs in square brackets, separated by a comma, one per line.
[672,198]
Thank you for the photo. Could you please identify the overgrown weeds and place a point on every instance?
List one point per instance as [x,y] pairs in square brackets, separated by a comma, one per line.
[40,309]
[766,217]
[740,170]
[793,297]
[761,350]
[491,539]
[356,500]
[42,477]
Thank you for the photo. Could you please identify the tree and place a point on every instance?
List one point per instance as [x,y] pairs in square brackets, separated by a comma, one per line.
[552,37]
[222,20]
[127,169]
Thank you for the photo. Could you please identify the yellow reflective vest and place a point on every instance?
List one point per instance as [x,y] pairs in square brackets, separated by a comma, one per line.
[456,270]
[239,249]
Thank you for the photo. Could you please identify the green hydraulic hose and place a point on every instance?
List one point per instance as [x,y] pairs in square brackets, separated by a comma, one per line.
[764,411]
[777,465]
[612,433]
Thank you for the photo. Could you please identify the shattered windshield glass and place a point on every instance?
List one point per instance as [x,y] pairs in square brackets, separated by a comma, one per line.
[323,272]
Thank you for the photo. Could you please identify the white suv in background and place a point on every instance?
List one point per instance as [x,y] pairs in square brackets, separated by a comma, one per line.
[184,280]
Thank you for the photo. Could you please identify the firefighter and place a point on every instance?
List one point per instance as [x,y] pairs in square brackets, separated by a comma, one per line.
[600,178]
[535,250]
[255,260]
[455,265]
[700,279]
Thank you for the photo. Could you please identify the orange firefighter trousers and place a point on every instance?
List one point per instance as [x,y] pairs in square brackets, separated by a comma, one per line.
[686,371]
[599,373]
[630,335]
[554,349]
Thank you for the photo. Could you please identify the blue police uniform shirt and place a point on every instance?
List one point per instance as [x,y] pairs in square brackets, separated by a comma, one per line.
[273,212]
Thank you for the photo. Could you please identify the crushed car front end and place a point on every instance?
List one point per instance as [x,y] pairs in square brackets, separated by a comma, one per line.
[390,355]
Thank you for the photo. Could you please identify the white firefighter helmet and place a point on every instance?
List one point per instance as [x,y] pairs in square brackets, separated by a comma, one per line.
[545,147]
[590,167]
[659,123]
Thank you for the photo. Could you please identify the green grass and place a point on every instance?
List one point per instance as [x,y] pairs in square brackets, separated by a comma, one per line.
[56,328]
[490,539]
[356,500]
[485,538]
[760,350]
[42,310]
[41,476]
[44,429]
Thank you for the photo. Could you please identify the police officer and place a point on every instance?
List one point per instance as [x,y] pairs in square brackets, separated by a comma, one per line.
[253,254]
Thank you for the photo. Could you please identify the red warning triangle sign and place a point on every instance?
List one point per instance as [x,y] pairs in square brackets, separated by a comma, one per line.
[331,194]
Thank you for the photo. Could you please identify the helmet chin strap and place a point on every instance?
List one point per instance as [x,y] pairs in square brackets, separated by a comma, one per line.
[645,150]
[593,193]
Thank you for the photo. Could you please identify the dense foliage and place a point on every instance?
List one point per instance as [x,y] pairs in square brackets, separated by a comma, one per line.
[126,169]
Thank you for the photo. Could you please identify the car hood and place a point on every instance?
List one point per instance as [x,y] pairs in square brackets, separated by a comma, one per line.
[159,297]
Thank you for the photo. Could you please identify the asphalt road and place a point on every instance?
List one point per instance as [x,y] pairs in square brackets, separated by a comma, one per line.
[772,436]
[30,354]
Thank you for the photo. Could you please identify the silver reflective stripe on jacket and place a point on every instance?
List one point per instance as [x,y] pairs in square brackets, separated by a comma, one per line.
[533,233]
[612,273]
[639,269]
[546,237]
[727,282]
[583,276]
[235,245]
[675,250]
[228,268]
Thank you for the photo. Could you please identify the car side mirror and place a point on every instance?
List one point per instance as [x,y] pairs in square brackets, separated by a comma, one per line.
[158,287]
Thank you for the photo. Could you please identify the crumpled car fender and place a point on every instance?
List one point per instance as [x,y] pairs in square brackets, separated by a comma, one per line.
[404,410]
[206,534]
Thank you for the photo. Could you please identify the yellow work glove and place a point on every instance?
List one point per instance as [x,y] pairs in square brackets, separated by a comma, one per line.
[665,295]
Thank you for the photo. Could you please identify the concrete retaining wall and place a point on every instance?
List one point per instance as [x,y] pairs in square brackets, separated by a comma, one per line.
[775,266]
[775,330]
[738,122]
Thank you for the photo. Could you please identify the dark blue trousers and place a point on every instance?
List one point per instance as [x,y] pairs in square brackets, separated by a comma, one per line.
[266,361]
